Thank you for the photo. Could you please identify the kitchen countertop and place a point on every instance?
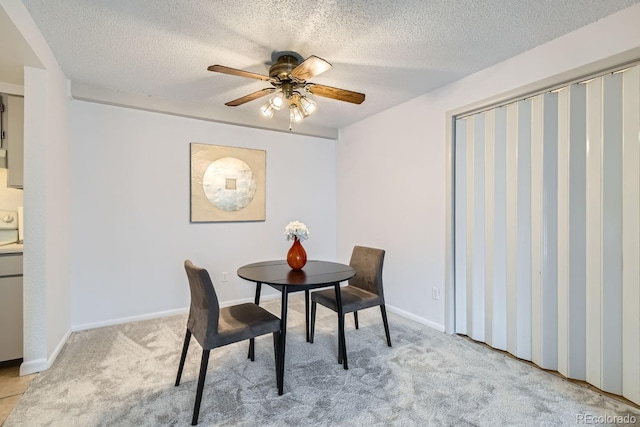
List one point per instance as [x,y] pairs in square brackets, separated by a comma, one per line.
[13,248]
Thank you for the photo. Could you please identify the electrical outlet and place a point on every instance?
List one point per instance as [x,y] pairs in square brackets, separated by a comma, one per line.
[435,293]
[225,276]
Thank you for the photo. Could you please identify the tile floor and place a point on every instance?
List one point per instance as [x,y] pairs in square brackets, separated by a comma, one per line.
[12,386]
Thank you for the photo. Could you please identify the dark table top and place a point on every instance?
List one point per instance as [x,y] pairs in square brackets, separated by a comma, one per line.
[314,273]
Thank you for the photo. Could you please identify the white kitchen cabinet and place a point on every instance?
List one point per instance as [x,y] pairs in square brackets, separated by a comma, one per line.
[11,326]
[13,142]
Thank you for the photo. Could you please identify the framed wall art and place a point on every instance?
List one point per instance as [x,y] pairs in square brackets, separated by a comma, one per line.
[227,183]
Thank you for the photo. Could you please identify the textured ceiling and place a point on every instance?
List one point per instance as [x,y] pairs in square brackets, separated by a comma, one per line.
[390,50]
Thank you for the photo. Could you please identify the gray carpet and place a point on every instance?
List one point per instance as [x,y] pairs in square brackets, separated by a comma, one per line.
[124,376]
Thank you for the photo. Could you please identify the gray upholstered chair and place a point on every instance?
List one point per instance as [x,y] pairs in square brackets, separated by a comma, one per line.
[363,291]
[214,327]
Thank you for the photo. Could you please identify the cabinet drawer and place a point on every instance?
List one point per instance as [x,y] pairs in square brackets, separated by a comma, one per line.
[10,265]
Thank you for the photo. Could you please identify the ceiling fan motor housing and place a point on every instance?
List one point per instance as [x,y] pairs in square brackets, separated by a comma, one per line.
[282,69]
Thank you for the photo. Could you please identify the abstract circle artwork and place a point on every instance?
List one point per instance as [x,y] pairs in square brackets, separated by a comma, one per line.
[229,184]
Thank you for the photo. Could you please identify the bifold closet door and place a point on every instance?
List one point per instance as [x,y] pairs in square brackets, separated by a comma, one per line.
[547,230]
[631,235]
[572,160]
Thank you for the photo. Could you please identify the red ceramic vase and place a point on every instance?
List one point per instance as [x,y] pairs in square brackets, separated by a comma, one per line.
[296,257]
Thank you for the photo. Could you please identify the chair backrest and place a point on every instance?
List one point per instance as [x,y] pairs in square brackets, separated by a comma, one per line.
[368,265]
[205,309]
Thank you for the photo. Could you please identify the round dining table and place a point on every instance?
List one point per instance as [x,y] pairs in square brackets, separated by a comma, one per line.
[315,274]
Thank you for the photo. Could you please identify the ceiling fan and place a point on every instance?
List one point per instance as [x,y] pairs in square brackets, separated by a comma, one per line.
[288,77]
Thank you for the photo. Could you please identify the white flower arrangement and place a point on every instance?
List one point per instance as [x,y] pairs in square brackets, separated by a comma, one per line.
[296,229]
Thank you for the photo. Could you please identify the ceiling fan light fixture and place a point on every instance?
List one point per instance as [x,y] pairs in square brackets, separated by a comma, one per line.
[277,101]
[267,110]
[289,78]
[307,106]
[295,114]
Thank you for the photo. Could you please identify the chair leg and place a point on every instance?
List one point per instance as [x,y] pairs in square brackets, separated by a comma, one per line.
[183,357]
[342,346]
[203,374]
[313,321]
[256,301]
[252,350]
[383,310]
[355,317]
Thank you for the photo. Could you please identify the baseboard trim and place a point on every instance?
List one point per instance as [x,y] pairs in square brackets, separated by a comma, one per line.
[121,320]
[437,326]
[179,311]
[160,314]
[52,358]
[40,365]
[33,366]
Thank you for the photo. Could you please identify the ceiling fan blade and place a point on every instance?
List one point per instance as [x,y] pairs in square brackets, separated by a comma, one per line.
[250,97]
[234,72]
[335,93]
[312,66]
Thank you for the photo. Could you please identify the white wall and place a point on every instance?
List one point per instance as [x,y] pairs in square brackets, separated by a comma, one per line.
[390,176]
[57,181]
[130,217]
[46,200]
[392,168]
